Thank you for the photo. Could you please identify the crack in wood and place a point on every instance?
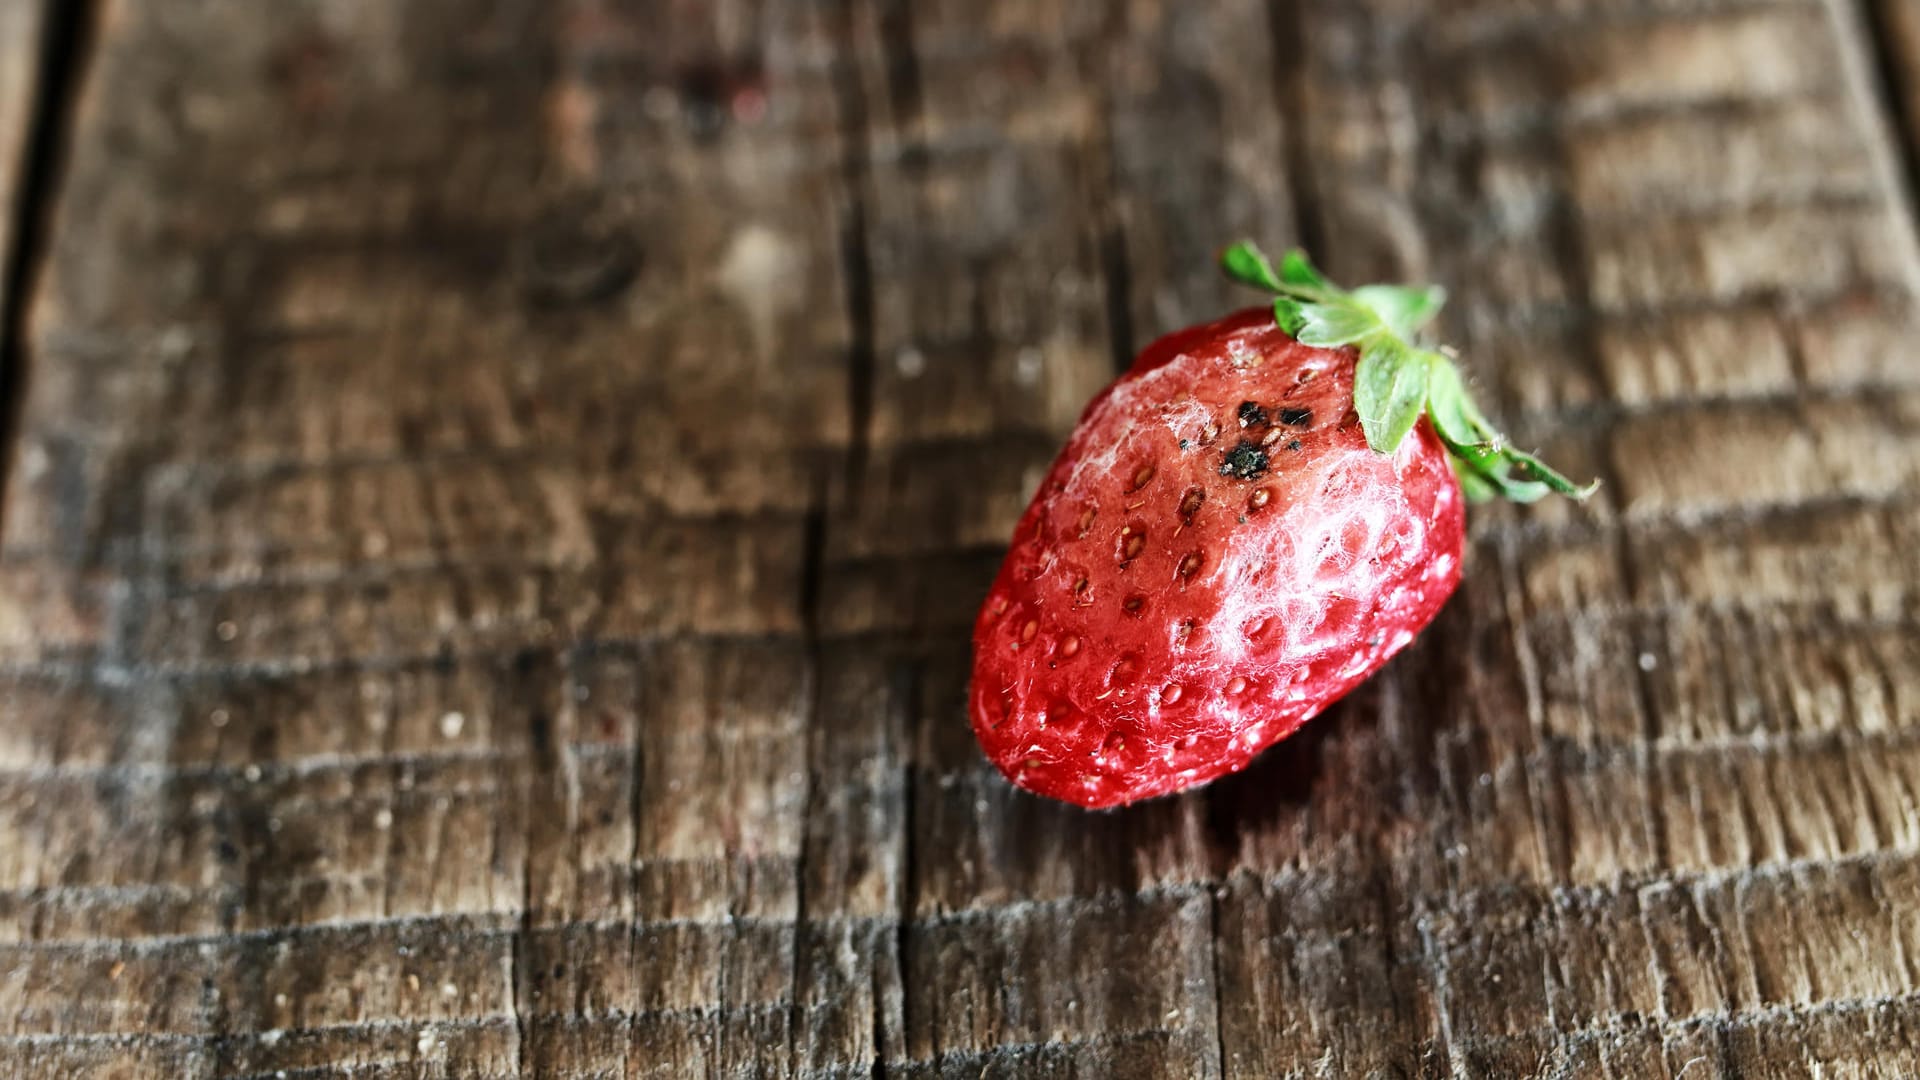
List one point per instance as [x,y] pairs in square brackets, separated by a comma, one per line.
[1869,42]
[63,57]
[856,259]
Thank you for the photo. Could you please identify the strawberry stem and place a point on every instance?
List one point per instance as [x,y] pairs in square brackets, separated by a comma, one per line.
[1397,382]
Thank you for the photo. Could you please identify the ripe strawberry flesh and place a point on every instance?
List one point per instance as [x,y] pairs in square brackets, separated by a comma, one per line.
[1215,557]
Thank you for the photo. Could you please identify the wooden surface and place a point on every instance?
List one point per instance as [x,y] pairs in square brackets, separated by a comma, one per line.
[502,487]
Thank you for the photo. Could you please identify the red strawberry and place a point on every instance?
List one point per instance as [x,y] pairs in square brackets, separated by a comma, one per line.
[1238,532]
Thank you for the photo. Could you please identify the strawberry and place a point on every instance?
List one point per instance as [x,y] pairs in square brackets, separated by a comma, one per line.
[1242,528]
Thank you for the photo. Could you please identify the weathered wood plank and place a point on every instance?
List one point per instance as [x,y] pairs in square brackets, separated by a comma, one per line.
[1599,722]
[503,490]
[372,553]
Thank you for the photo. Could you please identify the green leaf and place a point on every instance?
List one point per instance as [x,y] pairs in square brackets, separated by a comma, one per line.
[1455,418]
[1406,308]
[1477,487]
[1328,325]
[1297,269]
[1479,448]
[1289,315]
[1512,490]
[1245,264]
[1491,469]
[1395,382]
[1535,469]
[1389,391]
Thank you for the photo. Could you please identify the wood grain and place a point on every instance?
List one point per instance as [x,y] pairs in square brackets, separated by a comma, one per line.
[502,489]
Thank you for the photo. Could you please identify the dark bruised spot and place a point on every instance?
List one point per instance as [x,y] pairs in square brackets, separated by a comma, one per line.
[1246,461]
[1293,444]
[1296,417]
[1252,415]
[1184,444]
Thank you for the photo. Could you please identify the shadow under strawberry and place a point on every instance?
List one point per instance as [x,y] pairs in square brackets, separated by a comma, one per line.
[1357,771]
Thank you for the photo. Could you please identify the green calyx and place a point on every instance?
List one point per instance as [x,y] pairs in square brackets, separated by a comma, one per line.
[1396,380]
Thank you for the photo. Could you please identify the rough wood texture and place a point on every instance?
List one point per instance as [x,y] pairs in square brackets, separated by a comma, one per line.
[503,486]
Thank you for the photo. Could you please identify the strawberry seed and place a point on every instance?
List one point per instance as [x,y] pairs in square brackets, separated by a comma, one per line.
[1190,504]
[1190,565]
